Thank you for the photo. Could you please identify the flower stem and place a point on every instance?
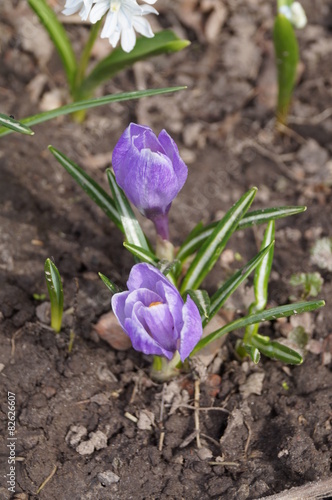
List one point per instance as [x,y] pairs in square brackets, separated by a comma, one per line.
[163,370]
[161,225]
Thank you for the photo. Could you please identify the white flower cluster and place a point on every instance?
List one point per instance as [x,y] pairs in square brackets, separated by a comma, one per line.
[123,18]
[295,14]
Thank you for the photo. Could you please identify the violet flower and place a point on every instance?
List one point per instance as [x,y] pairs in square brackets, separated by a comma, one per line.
[153,314]
[150,172]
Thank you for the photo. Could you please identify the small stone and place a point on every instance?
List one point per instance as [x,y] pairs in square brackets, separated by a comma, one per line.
[253,385]
[204,453]
[107,478]
[1,367]
[109,330]
[145,420]
[43,312]
[75,435]
[85,448]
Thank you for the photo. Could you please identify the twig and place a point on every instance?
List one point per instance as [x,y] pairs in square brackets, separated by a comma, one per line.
[315,120]
[14,337]
[196,404]
[248,439]
[204,408]
[161,440]
[47,480]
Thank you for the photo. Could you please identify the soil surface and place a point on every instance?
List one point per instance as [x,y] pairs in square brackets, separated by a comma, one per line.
[92,417]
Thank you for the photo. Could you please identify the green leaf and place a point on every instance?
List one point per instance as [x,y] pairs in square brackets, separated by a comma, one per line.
[262,216]
[89,103]
[253,353]
[59,37]
[310,282]
[261,280]
[167,267]
[163,42]
[96,193]
[211,249]
[267,315]
[141,253]
[130,224]
[221,295]
[287,57]
[250,219]
[275,350]
[109,284]
[202,301]
[15,125]
[55,291]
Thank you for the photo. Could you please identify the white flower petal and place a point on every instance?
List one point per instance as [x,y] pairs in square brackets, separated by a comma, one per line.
[98,10]
[128,39]
[114,38]
[143,27]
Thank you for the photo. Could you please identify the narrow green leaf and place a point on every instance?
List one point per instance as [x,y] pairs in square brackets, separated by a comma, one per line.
[253,353]
[211,249]
[267,315]
[167,267]
[261,281]
[130,224]
[109,284]
[55,291]
[287,57]
[96,193]
[15,125]
[263,270]
[163,42]
[59,37]
[262,216]
[250,219]
[202,301]
[89,103]
[221,295]
[275,350]
[141,253]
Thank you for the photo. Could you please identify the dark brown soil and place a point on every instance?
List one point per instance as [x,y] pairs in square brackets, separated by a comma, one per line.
[275,430]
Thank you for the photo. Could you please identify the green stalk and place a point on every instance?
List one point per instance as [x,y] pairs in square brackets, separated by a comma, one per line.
[77,93]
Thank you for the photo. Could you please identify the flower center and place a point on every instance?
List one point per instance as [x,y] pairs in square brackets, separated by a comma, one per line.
[115,5]
[155,304]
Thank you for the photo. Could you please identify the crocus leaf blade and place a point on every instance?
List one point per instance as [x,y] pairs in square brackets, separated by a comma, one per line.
[55,291]
[211,249]
[287,57]
[141,253]
[163,42]
[15,125]
[275,350]
[59,37]
[96,193]
[250,219]
[266,315]
[109,284]
[221,295]
[202,301]
[130,224]
[257,217]
[88,104]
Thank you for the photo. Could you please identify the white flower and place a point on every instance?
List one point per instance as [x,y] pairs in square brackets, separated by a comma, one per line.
[83,6]
[123,18]
[295,14]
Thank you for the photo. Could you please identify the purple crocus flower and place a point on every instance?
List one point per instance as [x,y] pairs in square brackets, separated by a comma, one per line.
[154,315]
[150,171]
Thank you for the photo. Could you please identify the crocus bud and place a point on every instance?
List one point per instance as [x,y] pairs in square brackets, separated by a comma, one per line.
[150,172]
[153,314]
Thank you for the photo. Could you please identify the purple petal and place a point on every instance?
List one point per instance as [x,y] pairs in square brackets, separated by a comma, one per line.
[143,138]
[142,296]
[172,297]
[118,306]
[171,149]
[160,325]
[145,276]
[142,341]
[192,328]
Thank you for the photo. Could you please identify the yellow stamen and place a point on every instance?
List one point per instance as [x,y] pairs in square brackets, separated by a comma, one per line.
[155,304]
